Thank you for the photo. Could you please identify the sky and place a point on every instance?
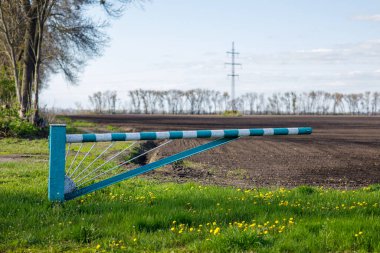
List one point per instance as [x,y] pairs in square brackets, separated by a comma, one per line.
[284,45]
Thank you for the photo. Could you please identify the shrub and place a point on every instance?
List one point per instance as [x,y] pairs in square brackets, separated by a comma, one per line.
[12,126]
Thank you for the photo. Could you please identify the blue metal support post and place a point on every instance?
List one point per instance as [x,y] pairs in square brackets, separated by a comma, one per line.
[57,150]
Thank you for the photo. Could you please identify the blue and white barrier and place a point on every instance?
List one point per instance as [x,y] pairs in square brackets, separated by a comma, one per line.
[226,133]
[61,187]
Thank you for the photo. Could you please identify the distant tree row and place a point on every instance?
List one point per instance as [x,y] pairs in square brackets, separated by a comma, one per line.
[203,101]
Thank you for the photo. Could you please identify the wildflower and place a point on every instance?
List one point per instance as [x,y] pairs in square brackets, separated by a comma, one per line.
[134,239]
[98,246]
[191,229]
[172,229]
[216,231]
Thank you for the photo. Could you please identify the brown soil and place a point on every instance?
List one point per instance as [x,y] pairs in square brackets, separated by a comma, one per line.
[343,152]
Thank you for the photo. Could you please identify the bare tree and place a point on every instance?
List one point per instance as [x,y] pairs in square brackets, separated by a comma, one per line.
[375,102]
[97,101]
[338,102]
[251,98]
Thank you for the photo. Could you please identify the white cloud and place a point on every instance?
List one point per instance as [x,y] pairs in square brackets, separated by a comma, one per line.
[373,18]
[365,53]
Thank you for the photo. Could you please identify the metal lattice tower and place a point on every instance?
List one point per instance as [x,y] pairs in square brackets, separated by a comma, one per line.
[233,74]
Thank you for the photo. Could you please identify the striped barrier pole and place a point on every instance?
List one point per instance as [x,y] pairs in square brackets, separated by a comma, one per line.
[226,133]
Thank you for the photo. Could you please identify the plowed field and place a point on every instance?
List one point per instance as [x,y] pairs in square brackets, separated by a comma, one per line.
[343,152]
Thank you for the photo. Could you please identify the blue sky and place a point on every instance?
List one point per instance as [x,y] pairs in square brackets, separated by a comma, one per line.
[299,45]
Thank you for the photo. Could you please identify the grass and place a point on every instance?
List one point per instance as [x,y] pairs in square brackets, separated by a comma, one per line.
[141,215]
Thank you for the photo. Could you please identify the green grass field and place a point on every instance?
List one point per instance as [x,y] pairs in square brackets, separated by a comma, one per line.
[142,215]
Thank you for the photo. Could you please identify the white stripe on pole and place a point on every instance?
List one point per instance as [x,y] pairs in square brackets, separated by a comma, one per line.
[133,136]
[293,130]
[103,137]
[72,138]
[244,132]
[189,134]
[162,135]
[268,131]
[217,133]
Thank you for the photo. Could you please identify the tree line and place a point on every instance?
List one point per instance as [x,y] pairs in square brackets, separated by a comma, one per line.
[206,101]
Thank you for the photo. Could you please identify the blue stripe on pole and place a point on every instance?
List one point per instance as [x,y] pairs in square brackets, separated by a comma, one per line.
[281,131]
[176,134]
[256,132]
[89,138]
[227,133]
[231,133]
[203,133]
[119,137]
[148,136]
[305,130]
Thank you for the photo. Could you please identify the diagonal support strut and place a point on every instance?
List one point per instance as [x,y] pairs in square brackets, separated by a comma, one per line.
[148,167]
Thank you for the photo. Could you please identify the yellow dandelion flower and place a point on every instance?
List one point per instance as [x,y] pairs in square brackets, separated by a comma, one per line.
[98,246]
[216,231]
[134,239]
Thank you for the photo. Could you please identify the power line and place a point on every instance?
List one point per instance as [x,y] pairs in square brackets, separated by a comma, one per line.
[233,74]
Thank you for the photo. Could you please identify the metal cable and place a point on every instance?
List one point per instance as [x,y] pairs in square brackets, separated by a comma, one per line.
[110,159]
[76,155]
[85,169]
[123,163]
[93,145]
